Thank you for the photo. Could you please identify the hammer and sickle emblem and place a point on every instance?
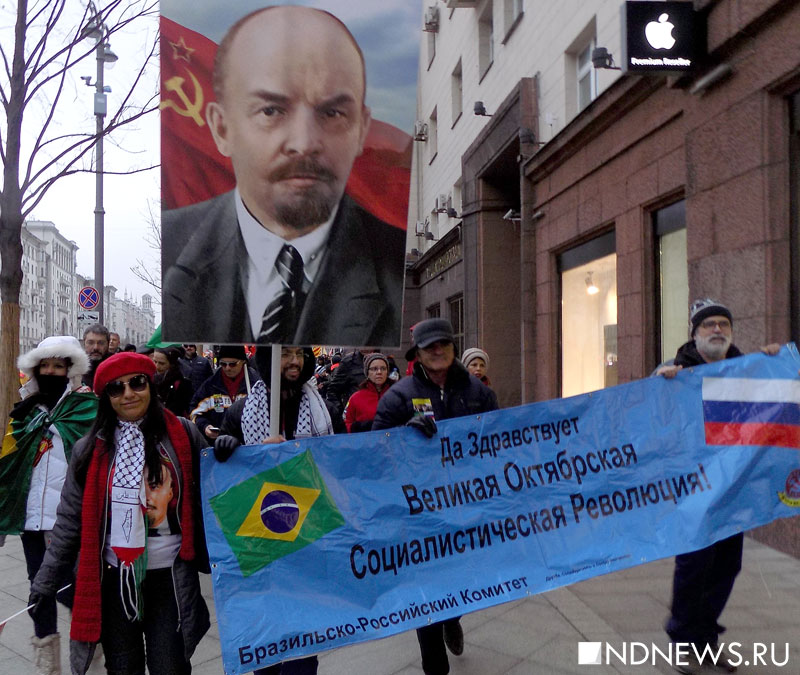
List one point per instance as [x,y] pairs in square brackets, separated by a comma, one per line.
[190,108]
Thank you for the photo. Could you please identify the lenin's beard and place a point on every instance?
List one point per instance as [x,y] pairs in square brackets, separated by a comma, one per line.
[312,205]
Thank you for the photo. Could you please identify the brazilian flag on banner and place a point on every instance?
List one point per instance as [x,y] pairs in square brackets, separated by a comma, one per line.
[276,512]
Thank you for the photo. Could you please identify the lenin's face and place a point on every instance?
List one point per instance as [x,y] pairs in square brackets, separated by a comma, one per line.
[292,117]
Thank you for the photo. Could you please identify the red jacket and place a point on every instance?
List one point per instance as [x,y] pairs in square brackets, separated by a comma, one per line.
[361,407]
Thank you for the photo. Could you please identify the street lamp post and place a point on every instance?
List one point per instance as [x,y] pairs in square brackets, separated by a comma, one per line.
[104,56]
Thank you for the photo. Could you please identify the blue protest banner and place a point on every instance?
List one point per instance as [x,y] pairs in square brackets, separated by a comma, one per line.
[330,541]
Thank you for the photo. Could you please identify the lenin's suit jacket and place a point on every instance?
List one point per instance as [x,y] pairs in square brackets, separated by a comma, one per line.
[355,300]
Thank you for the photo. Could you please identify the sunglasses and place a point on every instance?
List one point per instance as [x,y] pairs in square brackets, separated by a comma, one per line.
[136,383]
[228,364]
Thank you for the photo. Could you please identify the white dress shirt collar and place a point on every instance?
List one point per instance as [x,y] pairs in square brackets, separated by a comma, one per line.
[263,283]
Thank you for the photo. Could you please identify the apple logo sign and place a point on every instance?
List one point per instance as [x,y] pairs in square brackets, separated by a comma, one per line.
[659,33]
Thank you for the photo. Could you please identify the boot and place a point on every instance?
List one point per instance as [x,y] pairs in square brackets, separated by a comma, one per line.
[47,654]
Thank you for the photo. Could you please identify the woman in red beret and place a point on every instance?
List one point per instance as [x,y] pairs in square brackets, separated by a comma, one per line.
[130,505]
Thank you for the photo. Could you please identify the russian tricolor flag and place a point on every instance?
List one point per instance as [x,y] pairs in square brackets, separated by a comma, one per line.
[744,411]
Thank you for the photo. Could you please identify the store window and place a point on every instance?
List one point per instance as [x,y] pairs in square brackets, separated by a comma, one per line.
[457,320]
[669,226]
[589,316]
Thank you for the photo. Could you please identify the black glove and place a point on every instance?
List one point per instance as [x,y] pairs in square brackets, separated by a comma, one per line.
[224,447]
[39,602]
[424,423]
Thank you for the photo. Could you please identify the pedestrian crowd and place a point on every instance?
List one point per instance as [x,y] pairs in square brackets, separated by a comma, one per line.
[101,458]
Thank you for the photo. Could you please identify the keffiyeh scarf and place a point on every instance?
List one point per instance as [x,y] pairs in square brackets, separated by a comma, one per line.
[312,419]
[127,534]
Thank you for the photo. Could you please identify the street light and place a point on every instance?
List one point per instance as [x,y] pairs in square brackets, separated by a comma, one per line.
[104,56]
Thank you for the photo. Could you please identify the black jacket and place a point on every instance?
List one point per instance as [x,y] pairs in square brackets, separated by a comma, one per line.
[343,383]
[198,370]
[211,401]
[356,298]
[463,394]
[175,392]
[66,538]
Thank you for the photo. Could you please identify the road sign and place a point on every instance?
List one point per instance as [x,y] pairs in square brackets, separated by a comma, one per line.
[88,317]
[88,297]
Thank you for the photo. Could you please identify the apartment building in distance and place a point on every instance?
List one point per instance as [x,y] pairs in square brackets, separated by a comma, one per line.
[50,287]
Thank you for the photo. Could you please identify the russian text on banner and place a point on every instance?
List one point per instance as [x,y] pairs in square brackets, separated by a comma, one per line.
[341,539]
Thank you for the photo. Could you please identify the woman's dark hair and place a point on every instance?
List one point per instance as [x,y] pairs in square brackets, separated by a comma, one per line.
[172,354]
[153,427]
[174,372]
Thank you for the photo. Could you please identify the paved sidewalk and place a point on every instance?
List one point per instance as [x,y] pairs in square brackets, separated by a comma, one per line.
[538,635]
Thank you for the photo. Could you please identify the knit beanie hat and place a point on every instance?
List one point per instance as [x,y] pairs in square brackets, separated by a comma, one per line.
[474,353]
[369,358]
[702,309]
[122,363]
[232,352]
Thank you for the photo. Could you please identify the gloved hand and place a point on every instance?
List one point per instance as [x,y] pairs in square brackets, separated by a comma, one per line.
[224,447]
[39,602]
[423,423]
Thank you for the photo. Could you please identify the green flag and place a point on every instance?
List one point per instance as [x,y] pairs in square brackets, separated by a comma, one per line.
[26,439]
[155,341]
[276,512]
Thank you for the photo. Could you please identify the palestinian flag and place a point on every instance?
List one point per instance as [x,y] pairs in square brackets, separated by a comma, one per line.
[276,512]
[26,438]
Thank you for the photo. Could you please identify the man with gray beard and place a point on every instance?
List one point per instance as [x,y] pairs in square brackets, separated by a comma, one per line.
[703,579]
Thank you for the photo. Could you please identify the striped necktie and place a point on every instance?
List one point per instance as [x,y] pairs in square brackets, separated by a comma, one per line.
[280,318]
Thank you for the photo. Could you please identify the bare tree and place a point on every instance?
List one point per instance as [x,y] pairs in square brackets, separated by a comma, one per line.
[49,42]
[151,273]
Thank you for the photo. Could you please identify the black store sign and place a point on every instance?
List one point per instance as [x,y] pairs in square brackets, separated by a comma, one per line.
[661,37]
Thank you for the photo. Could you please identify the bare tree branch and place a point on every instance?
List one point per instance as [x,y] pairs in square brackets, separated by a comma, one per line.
[50,40]
[153,239]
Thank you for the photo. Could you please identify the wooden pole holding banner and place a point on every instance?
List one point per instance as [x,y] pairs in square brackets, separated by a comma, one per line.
[275,392]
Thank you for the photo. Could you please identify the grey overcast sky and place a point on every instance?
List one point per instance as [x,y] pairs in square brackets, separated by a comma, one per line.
[388,32]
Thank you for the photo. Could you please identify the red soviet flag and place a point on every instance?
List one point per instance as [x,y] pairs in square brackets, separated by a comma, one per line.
[193,170]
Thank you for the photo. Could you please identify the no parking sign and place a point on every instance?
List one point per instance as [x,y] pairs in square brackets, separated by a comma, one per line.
[88,297]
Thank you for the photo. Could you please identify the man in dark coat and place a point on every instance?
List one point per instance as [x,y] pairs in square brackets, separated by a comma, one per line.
[703,579]
[302,414]
[96,339]
[438,388]
[232,381]
[286,258]
[343,383]
[194,366]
